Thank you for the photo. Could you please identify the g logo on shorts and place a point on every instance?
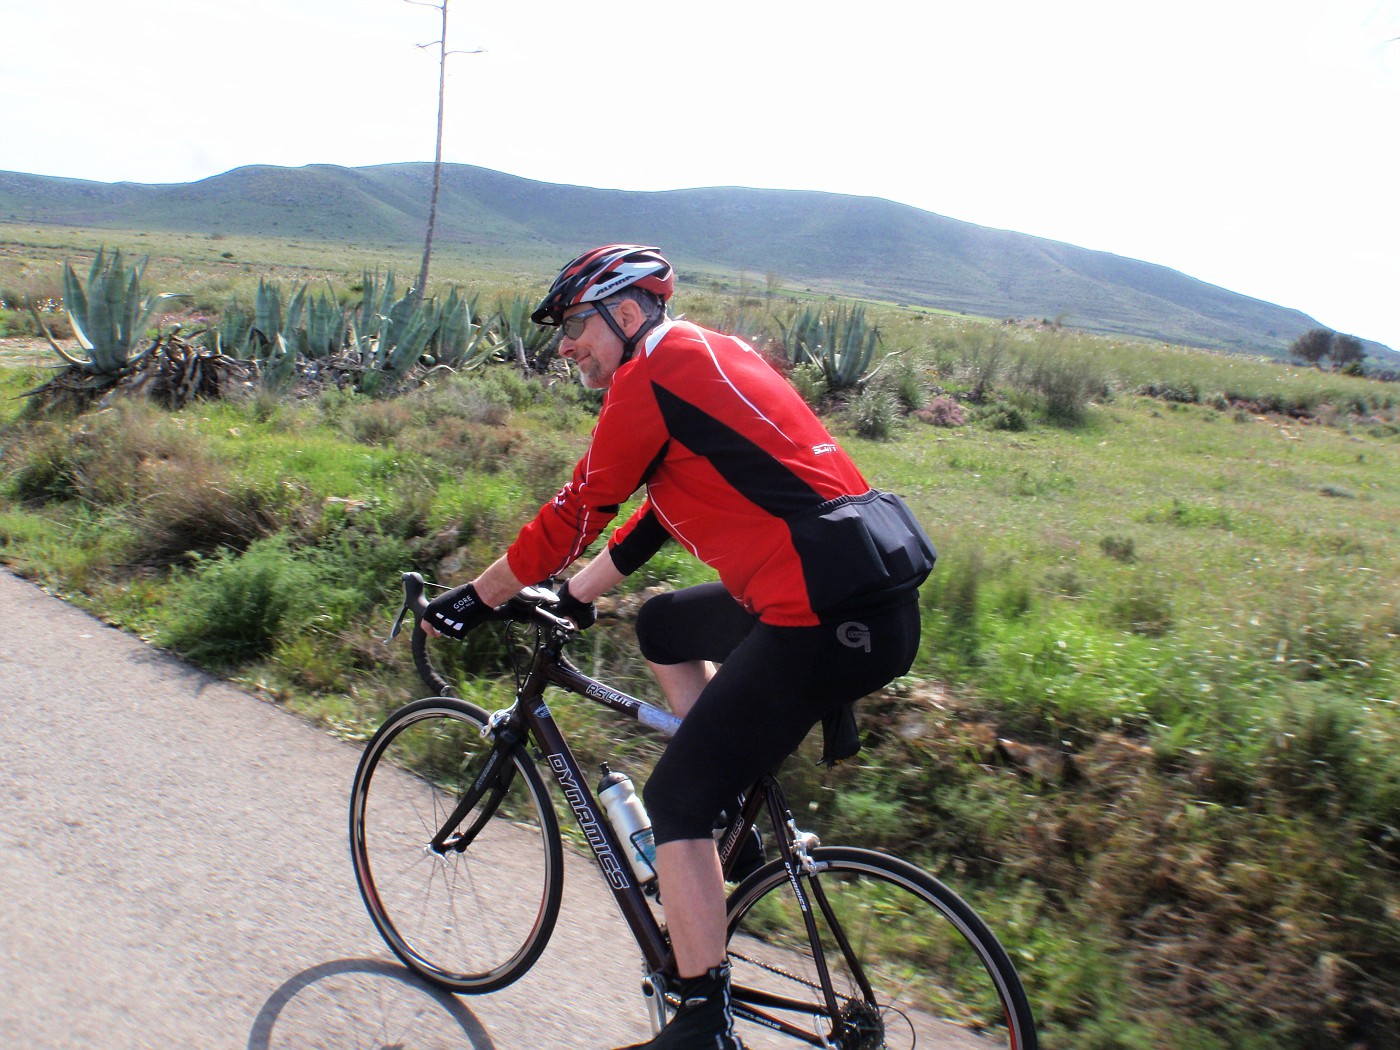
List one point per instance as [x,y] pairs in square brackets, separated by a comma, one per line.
[854,635]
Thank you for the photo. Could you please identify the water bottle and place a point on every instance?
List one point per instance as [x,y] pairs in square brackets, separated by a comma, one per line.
[629,819]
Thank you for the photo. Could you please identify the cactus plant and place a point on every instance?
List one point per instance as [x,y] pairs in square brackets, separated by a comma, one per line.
[109,317]
[403,333]
[459,341]
[842,342]
[518,337]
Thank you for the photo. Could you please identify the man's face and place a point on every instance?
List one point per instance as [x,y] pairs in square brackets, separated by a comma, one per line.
[597,350]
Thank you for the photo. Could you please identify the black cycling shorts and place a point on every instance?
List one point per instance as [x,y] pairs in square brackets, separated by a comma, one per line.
[773,685]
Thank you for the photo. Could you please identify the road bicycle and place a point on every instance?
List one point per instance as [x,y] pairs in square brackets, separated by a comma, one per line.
[459,857]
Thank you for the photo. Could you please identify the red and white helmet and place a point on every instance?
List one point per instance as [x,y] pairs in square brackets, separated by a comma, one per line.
[602,272]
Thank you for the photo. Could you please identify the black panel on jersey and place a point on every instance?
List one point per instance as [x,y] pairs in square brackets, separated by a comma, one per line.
[752,471]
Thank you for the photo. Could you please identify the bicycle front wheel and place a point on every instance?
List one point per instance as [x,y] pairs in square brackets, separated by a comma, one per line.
[466,897]
[891,958]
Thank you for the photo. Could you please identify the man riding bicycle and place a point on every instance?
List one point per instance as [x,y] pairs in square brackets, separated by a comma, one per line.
[816,601]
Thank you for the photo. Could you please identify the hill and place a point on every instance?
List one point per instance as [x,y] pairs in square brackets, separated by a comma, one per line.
[825,241]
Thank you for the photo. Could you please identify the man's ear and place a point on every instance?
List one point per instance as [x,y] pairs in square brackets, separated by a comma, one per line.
[629,316]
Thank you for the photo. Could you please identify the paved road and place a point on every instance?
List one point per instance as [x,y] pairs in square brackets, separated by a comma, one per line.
[174,873]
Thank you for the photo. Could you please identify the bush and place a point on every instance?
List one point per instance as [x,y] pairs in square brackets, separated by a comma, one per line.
[198,510]
[907,384]
[810,382]
[1002,416]
[1063,377]
[1143,610]
[943,412]
[873,413]
[1119,548]
[232,608]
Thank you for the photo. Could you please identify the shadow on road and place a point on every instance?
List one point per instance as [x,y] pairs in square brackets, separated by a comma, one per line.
[364,1003]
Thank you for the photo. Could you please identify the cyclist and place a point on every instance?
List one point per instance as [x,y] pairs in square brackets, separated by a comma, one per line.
[816,601]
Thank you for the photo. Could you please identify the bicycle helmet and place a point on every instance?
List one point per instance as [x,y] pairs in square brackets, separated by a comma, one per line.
[602,272]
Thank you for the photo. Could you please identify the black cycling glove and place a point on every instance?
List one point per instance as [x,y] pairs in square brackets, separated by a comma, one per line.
[583,614]
[456,612]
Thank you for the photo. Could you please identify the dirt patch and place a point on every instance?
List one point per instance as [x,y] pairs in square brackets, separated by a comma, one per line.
[29,351]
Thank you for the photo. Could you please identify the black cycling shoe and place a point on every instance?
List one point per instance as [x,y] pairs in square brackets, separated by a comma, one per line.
[703,1021]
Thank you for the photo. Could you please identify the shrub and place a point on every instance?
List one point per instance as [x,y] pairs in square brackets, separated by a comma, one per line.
[1182,394]
[375,422]
[810,382]
[906,383]
[1065,380]
[1002,416]
[1144,610]
[233,607]
[112,456]
[943,412]
[196,508]
[873,413]
[41,465]
[1119,548]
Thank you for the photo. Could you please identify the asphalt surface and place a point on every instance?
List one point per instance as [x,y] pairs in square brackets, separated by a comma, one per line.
[174,872]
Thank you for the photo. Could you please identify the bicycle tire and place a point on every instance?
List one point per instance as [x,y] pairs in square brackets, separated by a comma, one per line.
[471,920]
[939,978]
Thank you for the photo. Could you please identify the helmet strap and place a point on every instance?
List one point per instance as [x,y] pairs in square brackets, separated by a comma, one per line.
[629,343]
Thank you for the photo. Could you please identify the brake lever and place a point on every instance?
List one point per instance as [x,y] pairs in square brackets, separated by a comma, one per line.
[412,602]
[398,622]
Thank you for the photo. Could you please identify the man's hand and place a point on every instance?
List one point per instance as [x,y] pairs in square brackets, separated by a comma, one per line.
[583,614]
[456,612]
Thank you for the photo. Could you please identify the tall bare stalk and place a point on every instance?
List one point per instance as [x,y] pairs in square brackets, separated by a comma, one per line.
[441,44]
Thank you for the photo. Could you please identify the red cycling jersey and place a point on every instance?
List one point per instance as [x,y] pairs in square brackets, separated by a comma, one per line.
[730,455]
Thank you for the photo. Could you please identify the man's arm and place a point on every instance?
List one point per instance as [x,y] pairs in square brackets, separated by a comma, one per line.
[497,584]
[598,576]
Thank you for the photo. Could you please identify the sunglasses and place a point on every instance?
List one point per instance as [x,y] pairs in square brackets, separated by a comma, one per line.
[573,325]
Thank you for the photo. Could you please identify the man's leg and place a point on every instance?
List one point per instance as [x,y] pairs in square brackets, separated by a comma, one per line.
[682,683]
[693,894]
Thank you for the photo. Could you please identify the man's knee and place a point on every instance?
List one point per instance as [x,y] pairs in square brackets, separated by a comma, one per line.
[653,631]
[677,811]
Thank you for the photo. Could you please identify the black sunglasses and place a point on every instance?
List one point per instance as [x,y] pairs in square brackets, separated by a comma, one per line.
[573,325]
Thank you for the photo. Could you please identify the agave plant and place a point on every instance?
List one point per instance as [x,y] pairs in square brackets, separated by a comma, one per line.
[109,317]
[267,312]
[376,301]
[459,341]
[317,324]
[842,342]
[277,367]
[232,334]
[518,337]
[403,333]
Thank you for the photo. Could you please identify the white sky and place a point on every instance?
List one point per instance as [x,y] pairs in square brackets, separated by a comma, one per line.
[1254,144]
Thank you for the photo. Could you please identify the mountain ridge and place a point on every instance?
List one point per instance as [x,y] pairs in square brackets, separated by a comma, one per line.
[865,246]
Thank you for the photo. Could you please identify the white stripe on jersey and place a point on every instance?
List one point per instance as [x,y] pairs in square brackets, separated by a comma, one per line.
[729,383]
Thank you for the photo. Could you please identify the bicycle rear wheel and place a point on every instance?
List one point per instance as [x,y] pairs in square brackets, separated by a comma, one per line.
[473,913]
[910,964]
